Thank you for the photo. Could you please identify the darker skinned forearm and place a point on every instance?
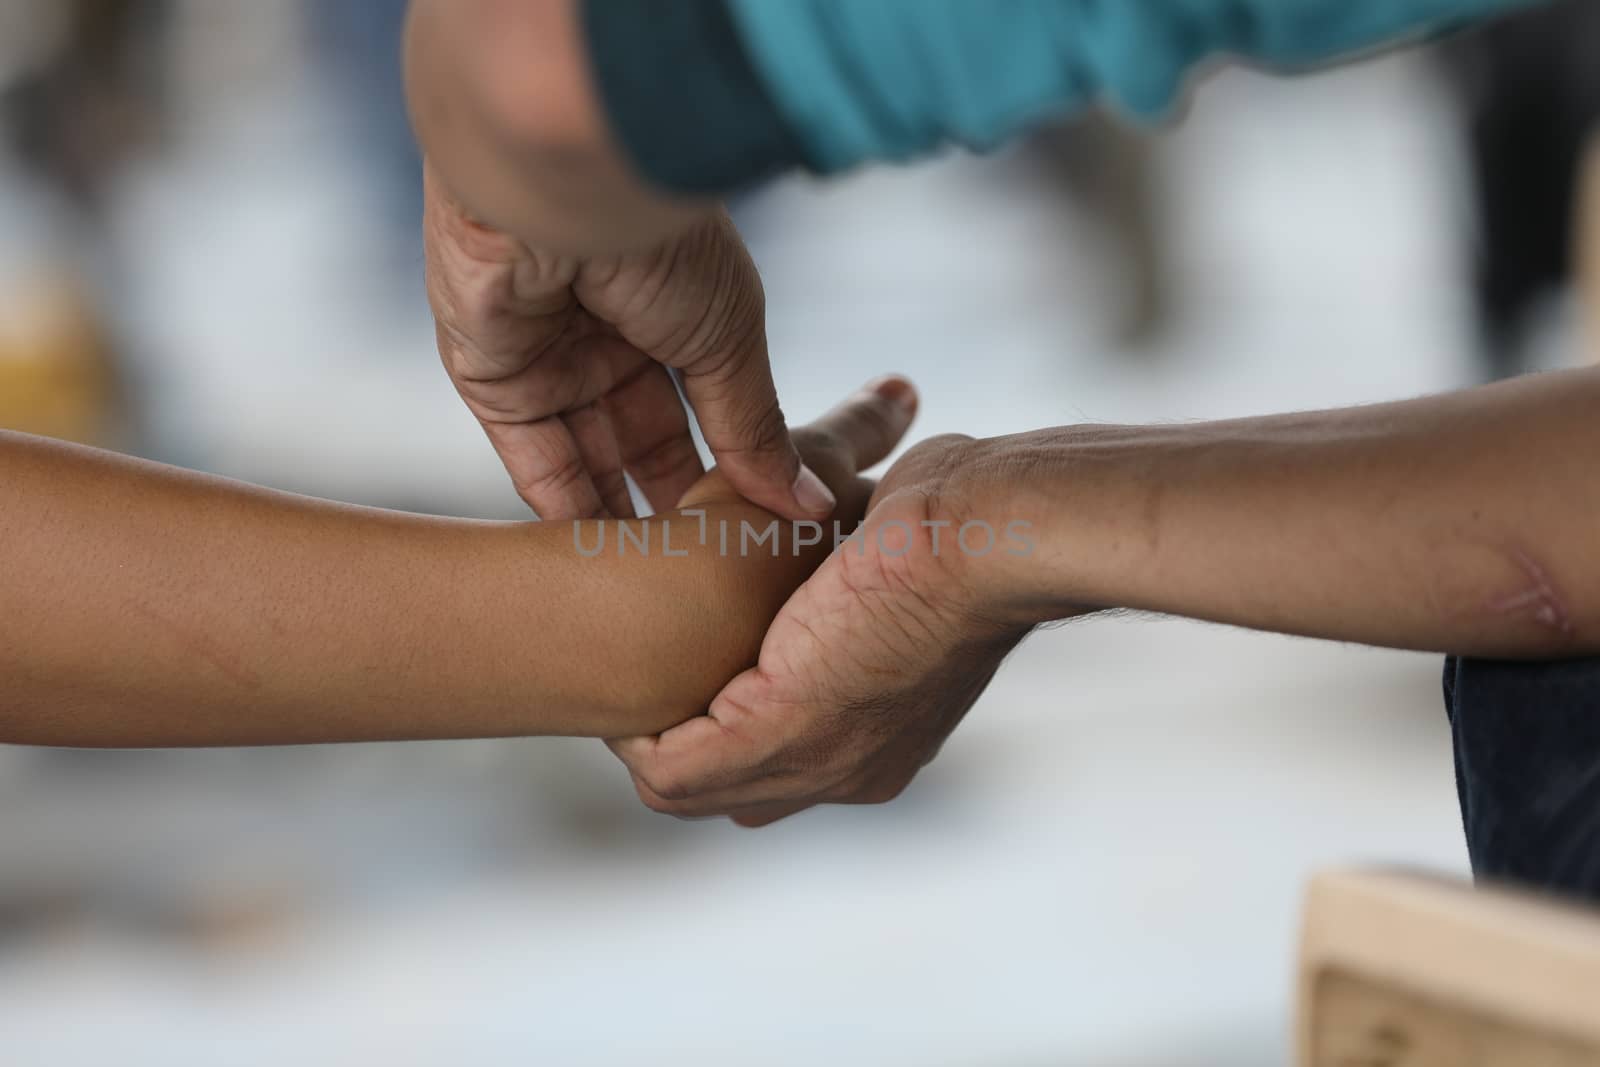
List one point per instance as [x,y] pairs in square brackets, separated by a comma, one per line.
[1462,523]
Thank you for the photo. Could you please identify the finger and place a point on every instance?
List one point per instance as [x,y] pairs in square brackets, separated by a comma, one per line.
[729,758]
[523,414]
[737,407]
[872,421]
[767,814]
[761,792]
[596,439]
[691,760]
[652,430]
[661,806]
[547,468]
[690,773]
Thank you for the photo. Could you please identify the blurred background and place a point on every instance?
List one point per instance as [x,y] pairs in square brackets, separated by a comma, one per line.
[209,256]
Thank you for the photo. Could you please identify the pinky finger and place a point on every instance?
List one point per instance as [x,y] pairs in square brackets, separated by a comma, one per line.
[596,438]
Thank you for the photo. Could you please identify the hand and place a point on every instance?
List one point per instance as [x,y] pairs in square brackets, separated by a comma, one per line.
[862,676]
[857,434]
[565,363]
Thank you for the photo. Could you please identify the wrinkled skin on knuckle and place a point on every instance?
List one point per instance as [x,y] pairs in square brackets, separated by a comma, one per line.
[928,465]
[761,429]
[629,289]
[478,278]
[693,303]
[663,459]
[554,480]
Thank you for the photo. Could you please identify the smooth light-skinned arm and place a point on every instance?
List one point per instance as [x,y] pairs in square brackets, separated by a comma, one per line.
[149,606]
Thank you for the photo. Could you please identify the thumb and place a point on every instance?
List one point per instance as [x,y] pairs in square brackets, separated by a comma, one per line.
[868,425]
[737,408]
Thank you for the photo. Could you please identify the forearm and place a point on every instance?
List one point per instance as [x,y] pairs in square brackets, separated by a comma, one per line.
[144,606]
[504,106]
[1462,523]
[591,126]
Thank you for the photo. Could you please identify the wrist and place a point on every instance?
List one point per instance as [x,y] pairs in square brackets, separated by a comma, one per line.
[505,108]
[1071,514]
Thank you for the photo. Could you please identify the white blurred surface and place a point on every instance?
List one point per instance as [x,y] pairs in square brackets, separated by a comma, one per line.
[1103,867]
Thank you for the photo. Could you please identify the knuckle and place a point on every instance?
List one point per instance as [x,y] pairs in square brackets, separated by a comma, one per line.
[935,454]
[760,432]
[662,459]
[564,475]
[611,485]
[668,788]
[651,797]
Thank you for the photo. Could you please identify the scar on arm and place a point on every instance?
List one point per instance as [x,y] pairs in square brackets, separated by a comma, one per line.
[1538,599]
[201,646]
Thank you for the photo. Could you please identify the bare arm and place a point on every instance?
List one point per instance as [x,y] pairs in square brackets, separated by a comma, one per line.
[148,606]
[1464,523]
[506,108]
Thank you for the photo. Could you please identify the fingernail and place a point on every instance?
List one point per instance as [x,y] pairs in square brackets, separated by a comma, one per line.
[815,497]
[899,392]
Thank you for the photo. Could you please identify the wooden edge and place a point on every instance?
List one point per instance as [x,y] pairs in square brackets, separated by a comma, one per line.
[1525,959]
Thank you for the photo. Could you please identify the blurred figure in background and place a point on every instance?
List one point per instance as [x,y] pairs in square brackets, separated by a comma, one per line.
[1531,89]
[1108,172]
[81,97]
[1589,251]
[90,96]
[358,44]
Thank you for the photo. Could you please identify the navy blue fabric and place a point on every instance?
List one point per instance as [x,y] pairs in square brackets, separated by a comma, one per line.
[1527,750]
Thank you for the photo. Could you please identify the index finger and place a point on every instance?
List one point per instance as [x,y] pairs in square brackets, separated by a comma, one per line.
[547,467]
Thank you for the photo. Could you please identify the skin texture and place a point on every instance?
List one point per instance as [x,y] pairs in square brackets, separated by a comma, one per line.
[148,606]
[1461,523]
[564,289]
[1455,523]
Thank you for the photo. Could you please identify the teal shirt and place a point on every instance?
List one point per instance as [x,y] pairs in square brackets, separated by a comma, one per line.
[860,80]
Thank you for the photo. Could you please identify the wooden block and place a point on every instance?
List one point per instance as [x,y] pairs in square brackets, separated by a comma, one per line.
[1408,970]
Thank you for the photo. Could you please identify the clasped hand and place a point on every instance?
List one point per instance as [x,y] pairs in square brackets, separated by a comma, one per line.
[877,657]
[864,673]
